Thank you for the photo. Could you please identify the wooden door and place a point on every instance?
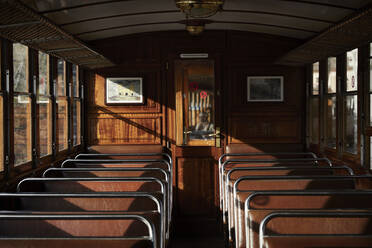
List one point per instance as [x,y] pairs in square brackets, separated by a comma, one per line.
[197,145]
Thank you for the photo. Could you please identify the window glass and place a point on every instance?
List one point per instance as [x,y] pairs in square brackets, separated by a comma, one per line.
[76,122]
[61,89]
[62,123]
[315,84]
[351,124]
[314,120]
[43,88]
[20,67]
[331,87]
[370,75]
[352,70]
[330,131]
[75,81]
[1,135]
[22,129]
[45,125]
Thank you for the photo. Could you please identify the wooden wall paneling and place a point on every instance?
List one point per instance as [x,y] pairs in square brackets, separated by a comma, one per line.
[151,91]
[195,195]
[124,129]
[274,128]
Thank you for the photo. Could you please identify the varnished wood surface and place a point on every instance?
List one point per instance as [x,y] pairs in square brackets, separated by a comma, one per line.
[236,56]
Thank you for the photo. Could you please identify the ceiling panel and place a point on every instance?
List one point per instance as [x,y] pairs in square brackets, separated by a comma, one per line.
[260,29]
[132,30]
[122,21]
[116,8]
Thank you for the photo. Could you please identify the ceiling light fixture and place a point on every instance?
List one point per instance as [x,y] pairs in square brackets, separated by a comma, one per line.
[199,8]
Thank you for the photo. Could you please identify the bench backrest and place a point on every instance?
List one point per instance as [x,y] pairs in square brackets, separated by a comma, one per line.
[260,204]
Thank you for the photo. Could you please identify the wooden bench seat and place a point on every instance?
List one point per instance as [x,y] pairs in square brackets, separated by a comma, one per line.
[318,230]
[23,230]
[260,204]
[148,204]
[244,186]
[234,173]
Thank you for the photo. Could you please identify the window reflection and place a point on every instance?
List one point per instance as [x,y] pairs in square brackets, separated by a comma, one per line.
[351,124]
[62,124]
[352,70]
[331,122]
[314,120]
[22,129]
[315,83]
[200,107]
[20,64]
[332,81]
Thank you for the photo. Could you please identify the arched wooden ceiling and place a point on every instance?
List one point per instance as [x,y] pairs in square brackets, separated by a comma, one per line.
[98,19]
[65,28]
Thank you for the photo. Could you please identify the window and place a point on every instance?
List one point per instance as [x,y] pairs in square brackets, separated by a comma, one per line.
[62,109]
[44,107]
[21,106]
[350,130]
[314,105]
[76,106]
[330,108]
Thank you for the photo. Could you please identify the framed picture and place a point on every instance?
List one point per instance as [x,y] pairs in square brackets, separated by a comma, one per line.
[124,90]
[265,89]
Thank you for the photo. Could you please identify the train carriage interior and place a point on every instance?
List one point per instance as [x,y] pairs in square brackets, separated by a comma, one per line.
[185,123]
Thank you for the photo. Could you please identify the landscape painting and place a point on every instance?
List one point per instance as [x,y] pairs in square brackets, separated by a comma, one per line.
[265,89]
[124,91]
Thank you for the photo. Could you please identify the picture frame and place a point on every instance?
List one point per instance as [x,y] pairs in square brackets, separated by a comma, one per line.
[124,91]
[265,88]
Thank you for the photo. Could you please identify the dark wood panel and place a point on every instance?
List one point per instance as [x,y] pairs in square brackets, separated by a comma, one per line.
[195,187]
[265,129]
[104,129]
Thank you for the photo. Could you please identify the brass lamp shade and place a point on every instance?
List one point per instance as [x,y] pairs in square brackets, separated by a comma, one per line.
[195,30]
[199,8]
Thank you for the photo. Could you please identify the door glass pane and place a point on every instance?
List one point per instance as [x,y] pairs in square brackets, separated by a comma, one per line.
[61,90]
[43,74]
[331,75]
[76,122]
[352,70]
[20,67]
[75,81]
[370,75]
[199,101]
[315,84]
[370,110]
[22,129]
[351,124]
[330,126]
[314,120]
[62,123]
[45,125]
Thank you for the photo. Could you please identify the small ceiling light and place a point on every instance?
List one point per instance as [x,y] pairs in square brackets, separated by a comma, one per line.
[199,8]
[195,30]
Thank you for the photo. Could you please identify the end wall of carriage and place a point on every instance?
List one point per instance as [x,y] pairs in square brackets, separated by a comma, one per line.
[237,55]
